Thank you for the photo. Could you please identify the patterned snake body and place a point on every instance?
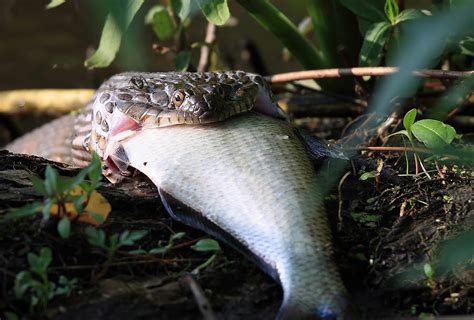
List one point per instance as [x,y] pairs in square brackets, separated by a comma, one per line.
[241,176]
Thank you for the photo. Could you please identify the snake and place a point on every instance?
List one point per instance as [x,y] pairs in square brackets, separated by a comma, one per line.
[222,162]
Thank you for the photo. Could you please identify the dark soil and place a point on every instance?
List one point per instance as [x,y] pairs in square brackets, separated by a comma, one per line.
[386,229]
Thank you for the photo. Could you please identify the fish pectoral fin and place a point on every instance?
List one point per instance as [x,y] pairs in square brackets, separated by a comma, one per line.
[195,219]
[320,148]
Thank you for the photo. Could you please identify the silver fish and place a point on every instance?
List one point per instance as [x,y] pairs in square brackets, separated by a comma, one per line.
[250,182]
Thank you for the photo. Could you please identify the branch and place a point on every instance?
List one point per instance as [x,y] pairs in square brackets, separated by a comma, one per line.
[360,72]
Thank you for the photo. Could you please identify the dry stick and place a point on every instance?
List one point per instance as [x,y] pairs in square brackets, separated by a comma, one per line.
[200,297]
[206,49]
[363,71]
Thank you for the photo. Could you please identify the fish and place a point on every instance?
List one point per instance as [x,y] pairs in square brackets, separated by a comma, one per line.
[250,182]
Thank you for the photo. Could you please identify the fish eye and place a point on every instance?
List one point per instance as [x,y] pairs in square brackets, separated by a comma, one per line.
[178,98]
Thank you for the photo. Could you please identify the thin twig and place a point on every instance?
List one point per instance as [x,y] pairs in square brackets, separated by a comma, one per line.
[362,71]
[200,297]
[206,50]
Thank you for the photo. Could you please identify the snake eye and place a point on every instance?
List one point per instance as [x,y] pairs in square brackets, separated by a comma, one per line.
[178,98]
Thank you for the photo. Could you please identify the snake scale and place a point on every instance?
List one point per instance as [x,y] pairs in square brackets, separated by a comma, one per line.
[222,163]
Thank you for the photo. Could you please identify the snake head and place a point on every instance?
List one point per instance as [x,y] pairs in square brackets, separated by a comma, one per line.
[130,102]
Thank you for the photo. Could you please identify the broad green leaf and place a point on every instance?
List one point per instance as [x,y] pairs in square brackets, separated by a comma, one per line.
[182,60]
[373,45]
[366,9]
[28,210]
[163,25]
[54,3]
[206,245]
[391,10]
[182,8]
[111,37]
[433,133]
[408,121]
[215,11]
[409,14]
[64,227]
[466,45]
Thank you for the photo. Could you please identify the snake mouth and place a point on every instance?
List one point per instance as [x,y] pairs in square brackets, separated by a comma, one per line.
[114,158]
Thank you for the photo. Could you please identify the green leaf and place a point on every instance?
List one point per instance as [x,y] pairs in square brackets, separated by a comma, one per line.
[206,245]
[433,134]
[28,210]
[111,37]
[78,203]
[428,271]
[408,121]
[51,181]
[215,11]
[95,237]
[370,174]
[182,8]
[128,238]
[38,184]
[98,217]
[23,282]
[39,264]
[368,10]
[163,25]
[409,14]
[391,10]
[54,3]
[69,183]
[64,227]
[373,45]
[11,316]
[46,211]
[182,60]
[160,250]
[177,236]
[466,46]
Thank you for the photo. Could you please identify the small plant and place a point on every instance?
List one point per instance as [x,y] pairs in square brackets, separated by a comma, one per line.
[206,245]
[434,134]
[35,283]
[67,198]
[163,249]
[429,273]
[98,239]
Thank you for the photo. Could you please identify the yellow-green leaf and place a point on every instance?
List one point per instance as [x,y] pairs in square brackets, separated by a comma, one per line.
[215,11]
[111,37]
